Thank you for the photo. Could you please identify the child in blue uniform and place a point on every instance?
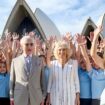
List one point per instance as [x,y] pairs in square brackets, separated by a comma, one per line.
[4,84]
[85,84]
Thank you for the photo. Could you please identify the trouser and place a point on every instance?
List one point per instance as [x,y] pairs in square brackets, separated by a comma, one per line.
[95,102]
[84,101]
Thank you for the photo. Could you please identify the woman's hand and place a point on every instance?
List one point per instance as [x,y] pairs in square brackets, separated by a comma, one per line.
[91,36]
[68,37]
[15,36]
[98,30]
[77,100]
[81,40]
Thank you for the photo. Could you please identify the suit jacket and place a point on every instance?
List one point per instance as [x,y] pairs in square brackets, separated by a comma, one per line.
[25,89]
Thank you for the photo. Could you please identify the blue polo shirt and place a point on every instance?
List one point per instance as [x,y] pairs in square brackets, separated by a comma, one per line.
[97,82]
[45,77]
[85,84]
[4,85]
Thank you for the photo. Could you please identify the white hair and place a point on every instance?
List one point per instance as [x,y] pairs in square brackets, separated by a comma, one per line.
[25,38]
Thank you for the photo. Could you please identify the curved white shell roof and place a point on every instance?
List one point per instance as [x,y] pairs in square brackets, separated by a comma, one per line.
[101,21]
[46,24]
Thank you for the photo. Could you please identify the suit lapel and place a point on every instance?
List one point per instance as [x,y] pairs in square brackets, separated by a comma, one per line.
[34,65]
[23,64]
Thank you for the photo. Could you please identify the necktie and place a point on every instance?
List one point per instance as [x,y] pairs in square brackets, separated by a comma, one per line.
[28,64]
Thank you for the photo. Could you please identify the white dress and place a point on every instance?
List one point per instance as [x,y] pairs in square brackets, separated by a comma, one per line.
[63,83]
[102,102]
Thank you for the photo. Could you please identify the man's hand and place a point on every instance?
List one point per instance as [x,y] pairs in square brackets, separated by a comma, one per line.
[48,102]
[11,101]
[42,103]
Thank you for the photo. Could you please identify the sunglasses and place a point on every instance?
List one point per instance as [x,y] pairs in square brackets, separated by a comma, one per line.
[29,44]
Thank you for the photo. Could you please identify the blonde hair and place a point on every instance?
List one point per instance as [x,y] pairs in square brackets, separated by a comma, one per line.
[62,44]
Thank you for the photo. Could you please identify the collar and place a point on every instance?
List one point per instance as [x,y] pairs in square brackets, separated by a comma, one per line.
[2,74]
[25,55]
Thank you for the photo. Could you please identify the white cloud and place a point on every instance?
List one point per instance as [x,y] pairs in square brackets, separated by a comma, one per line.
[52,6]
[68,15]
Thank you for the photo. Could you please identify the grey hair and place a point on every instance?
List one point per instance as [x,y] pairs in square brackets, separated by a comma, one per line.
[25,38]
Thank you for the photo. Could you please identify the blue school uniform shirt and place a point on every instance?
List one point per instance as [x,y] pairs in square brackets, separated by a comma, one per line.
[45,79]
[97,82]
[85,84]
[4,85]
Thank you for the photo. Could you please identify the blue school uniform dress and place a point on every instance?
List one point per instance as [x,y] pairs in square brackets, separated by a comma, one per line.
[85,87]
[97,84]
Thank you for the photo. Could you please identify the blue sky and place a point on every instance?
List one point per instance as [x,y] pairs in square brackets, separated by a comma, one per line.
[68,15]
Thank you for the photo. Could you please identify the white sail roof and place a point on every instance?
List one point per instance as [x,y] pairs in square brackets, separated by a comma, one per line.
[46,24]
[101,21]
[21,10]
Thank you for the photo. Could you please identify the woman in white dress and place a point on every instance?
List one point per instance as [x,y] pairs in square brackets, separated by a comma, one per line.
[63,87]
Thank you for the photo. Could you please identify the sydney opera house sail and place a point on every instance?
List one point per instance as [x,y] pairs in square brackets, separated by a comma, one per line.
[89,26]
[48,26]
[22,20]
[101,21]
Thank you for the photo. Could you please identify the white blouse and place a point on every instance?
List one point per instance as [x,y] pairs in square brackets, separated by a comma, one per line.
[63,83]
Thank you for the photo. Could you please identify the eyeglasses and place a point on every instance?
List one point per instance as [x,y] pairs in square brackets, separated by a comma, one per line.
[29,44]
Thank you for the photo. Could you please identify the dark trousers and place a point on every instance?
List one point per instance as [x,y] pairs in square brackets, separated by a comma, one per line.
[95,102]
[4,101]
[84,101]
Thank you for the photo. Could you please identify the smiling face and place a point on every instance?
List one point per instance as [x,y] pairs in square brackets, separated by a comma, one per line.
[2,67]
[100,49]
[28,46]
[62,53]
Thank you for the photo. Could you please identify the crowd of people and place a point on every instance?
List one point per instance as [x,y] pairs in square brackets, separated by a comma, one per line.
[56,72]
